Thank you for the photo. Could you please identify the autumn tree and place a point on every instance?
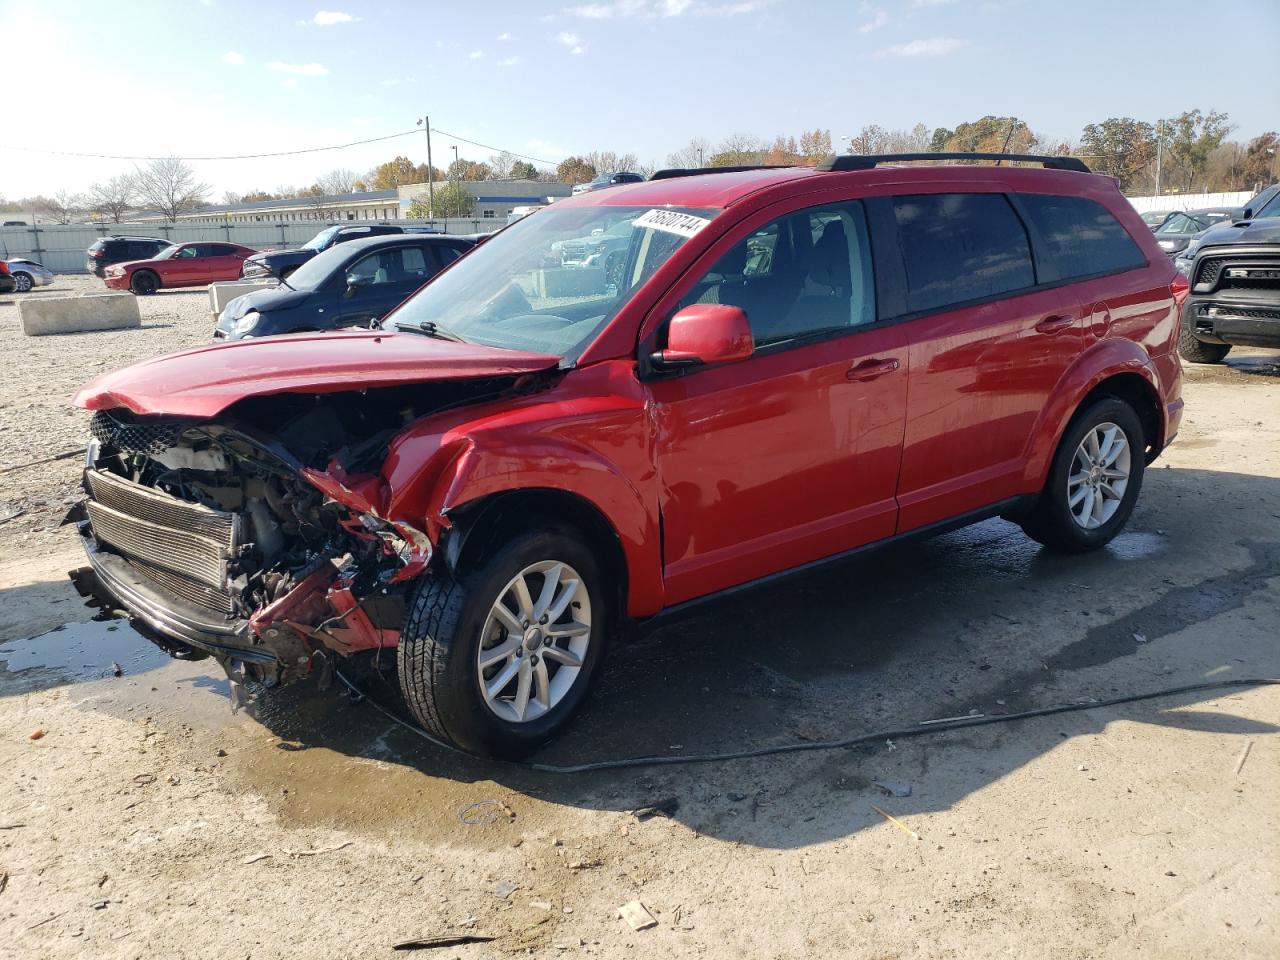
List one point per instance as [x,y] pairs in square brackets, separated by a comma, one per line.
[575,170]
[112,198]
[169,186]
[737,150]
[815,145]
[393,173]
[1189,139]
[990,135]
[1257,167]
[1121,147]
[784,152]
[468,170]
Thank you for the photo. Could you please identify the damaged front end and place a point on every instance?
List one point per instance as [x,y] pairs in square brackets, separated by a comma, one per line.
[266,550]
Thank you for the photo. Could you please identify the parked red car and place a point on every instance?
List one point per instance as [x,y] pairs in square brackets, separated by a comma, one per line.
[789,366]
[179,265]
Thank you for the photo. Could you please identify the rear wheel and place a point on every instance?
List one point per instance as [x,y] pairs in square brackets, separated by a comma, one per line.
[498,660]
[1093,481]
[23,281]
[1190,347]
[144,283]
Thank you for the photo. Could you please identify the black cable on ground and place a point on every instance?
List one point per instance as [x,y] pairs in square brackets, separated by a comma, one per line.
[809,745]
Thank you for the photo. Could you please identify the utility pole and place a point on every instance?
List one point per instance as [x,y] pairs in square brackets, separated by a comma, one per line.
[1159,152]
[431,170]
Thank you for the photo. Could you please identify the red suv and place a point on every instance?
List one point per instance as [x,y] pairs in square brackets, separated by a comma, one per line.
[789,366]
[180,265]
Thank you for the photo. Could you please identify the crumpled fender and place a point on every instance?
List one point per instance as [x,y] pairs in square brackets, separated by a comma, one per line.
[1106,358]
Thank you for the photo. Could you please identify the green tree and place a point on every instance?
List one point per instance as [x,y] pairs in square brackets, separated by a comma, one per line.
[1121,147]
[1189,139]
[523,170]
[454,200]
[940,138]
[575,170]
[468,170]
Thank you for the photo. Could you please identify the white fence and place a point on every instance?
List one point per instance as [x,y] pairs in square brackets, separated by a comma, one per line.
[63,248]
[1190,201]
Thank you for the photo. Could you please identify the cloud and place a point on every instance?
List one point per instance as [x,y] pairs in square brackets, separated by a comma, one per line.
[931,3]
[878,20]
[302,69]
[652,9]
[475,55]
[233,58]
[510,62]
[933,47]
[573,42]
[327,18]
[289,83]
[504,36]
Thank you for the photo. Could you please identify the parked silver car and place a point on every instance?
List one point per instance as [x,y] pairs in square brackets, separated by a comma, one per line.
[28,274]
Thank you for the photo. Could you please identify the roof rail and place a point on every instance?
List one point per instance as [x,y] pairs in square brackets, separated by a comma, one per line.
[850,161]
[698,171]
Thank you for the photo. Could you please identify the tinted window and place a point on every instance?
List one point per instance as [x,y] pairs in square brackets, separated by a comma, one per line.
[447,254]
[805,274]
[400,265]
[1081,238]
[958,247]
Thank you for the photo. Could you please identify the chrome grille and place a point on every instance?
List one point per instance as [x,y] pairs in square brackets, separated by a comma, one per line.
[216,601]
[154,506]
[198,557]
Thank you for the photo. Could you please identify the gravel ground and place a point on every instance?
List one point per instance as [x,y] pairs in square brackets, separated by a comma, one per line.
[36,416]
[147,821]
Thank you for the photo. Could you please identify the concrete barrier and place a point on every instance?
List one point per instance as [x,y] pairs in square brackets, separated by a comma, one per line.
[42,316]
[222,293]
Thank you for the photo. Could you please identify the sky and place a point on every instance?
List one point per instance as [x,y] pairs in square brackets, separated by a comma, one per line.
[211,78]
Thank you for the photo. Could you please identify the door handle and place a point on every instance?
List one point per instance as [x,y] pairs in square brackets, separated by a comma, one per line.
[870,369]
[1055,324]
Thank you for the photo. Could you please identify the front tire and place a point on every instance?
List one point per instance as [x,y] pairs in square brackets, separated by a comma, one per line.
[498,660]
[1197,351]
[23,281]
[144,283]
[1094,479]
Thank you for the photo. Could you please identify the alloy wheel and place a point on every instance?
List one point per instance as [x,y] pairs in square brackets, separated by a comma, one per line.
[534,641]
[1099,475]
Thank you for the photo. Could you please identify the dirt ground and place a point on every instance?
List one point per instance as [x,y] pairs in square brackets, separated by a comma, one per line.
[150,821]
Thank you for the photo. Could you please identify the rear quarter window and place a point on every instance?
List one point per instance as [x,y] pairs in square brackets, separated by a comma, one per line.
[960,247]
[1078,238]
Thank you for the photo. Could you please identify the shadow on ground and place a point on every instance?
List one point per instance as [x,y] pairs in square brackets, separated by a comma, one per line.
[978,620]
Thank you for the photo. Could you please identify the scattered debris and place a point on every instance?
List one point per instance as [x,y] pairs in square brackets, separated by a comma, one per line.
[4,881]
[663,808]
[637,915]
[972,716]
[491,810]
[433,943]
[1170,873]
[37,734]
[142,779]
[1244,755]
[505,888]
[586,864]
[65,455]
[897,823]
[541,905]
[1081,767]
[255,858]
[45,920]
[173,780]
[100,904]
[567,910]
[116,669]
[12,514]
[319,850]
[11,826]
[1140,637]
[893,788]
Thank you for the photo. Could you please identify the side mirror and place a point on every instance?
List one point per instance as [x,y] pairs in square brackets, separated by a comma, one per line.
[1248,213]
[355,282]
[705,333]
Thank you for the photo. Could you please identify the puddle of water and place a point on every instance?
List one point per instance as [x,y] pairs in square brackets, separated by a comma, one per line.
[84,651]
[1136,546]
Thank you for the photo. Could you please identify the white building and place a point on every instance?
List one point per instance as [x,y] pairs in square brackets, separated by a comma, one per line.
[494,198]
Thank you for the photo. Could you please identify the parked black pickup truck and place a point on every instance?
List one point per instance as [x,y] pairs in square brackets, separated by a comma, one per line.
[281,263]
[1235,290]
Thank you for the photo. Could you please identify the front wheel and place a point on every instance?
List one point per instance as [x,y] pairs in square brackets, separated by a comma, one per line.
[498,660]
[1093,481]
[144,283]
[23,281]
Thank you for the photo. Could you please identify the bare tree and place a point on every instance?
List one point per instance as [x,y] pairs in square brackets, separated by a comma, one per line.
[114,198]
[338,181]
[692,155]
[169,186]
[500,165]
[62,207]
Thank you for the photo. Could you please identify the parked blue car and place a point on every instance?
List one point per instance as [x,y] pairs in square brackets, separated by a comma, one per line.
[353,284]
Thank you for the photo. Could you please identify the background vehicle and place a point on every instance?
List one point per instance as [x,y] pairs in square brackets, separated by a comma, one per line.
[7,283]
[27,274]
[14,223]
[608,180]
[281,263]
[1235,290]
[351,285]
[106,251]
[1263,199]
[797,364]
[1181,227]
[179,265]
[1153,218]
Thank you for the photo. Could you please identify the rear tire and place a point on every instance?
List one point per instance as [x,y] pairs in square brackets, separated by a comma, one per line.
[1196,350]
[144,283]
[23,281]
[451,626]
[1061,518]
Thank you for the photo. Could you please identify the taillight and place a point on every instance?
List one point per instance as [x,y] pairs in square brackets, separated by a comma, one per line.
[1180,287]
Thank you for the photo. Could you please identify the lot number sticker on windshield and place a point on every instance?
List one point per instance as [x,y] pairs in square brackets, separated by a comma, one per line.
[671,221]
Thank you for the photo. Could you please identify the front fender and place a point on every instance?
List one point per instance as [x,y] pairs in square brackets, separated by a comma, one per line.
[1103,360]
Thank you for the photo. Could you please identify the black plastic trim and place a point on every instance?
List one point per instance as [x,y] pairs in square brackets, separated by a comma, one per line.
[852,161]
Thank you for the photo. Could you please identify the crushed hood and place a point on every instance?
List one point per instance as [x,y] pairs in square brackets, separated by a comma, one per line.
[205,381]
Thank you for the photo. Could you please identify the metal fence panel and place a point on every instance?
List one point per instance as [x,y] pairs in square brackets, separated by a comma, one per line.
[62,248]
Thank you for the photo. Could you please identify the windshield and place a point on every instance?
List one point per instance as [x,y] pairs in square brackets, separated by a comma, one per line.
[550,283]
[167,252]
[1272,209]
[315,271]
[321,239]
[1180,223]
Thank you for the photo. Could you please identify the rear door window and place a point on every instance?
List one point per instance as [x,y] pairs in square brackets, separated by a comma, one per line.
[1080,238]
[960,247]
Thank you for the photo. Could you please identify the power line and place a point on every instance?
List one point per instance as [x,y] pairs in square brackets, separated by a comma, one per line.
[522,156]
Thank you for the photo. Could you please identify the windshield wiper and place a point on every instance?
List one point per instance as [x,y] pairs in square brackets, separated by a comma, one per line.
[428,328]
